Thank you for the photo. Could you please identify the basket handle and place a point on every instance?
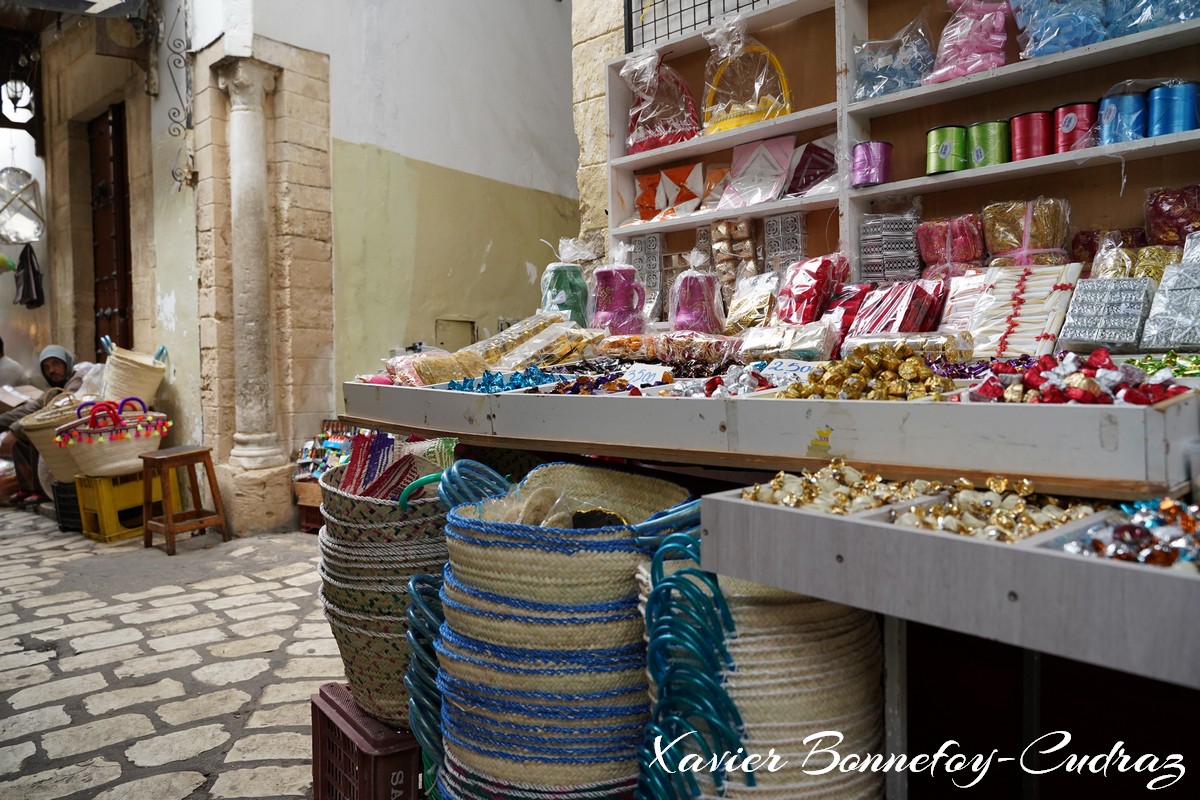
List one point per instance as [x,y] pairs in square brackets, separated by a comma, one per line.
[412,488]
[711,93]
[107,409]
[131,399]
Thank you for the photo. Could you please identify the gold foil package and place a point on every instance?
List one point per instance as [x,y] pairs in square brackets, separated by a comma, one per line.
[1033,232]
[492,349]
[884,373]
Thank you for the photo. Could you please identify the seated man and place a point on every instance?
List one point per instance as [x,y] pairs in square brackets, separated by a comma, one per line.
[58,368]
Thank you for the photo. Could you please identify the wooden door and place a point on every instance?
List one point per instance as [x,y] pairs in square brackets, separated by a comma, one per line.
[113,279]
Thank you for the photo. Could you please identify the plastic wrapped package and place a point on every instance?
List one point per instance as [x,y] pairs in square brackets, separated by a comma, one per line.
[1018,233]
[1055,26]
[561,342]
[944,272]
[910,307]
[696,298]
[1108,314]
[814,341]
[1174,321]
[664,110]
[735,254]
[564,287]
[627,347]
[955,347]
[1172,214]
[427,369]
[680,191]
[814,168]
[752,303]
[1021,311]
[843,308]
[889,246]
[744,81]
[961,298]
[759,173]
[618,296]
[1137,16]
[808,286]
[946,240]
[1086,243]
[1152,261]
[972,41]
[716,180]
[645,202]
[883,66]
[493,348]
[1112,260]
[683,347]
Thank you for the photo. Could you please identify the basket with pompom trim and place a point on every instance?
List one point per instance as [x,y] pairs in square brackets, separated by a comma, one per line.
[109,440]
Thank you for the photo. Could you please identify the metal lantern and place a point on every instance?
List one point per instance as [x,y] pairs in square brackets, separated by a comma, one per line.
[21,220]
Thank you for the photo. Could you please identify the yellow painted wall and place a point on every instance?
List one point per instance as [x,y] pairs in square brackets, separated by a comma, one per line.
[414,242]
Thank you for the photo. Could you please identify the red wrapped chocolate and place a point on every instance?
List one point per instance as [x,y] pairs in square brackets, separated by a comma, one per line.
[1171,214]
[947,240]
[807,288]
[910,307]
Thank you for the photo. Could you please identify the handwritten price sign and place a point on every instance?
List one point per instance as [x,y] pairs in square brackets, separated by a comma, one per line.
[645,374]
[782,371]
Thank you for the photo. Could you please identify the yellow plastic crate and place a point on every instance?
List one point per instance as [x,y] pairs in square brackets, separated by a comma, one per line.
[111,508]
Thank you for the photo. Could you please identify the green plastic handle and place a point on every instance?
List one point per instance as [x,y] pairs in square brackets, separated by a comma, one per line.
[414,486]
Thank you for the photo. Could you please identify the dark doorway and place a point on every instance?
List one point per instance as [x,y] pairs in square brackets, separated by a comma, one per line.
[113,277]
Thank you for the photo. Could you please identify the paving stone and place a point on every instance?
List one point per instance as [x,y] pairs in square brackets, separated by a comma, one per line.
[261,610]
[313,647]
[292,594]
[104,702]
[311,668]
[100,641]
[171,786]
[243,551]
[157,591]
[319,614]
[192,597]
[10,646]
[314,630]
[271,747]
[107,611]
[250,588]
[57,690]
[239,600]
[81,605]
[12,757]
[288,716]
[53,599]
[31,627]
[189,639]
[73,629]
[292,692]
[226,672]
[264,782]
[97,658]
[177,746]
[256,627]
[174,626]
[216,584]
[62,781]
[24,659]
[304,580]
[95,735]
[13,597]
[286,571]
[246,647]
[158,614]
[7,619]
[18,726]
[159,662]
[214,704]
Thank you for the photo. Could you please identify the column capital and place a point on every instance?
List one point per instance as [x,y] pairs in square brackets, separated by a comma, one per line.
[246,81]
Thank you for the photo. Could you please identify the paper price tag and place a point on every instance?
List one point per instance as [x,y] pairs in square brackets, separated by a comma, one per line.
[640,375]
[788,370]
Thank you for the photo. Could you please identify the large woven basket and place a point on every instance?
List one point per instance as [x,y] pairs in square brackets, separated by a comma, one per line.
[40,427]
[107,444]
[375,655]
[352,518]
[457,780]
[131,374]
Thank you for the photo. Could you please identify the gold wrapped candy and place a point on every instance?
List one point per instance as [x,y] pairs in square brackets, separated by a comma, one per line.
[838,489]
[1152,261]
[874,372]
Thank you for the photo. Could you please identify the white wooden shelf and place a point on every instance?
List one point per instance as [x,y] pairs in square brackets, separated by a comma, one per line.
[1043,165]
[691,221]
[807,119]
[1023,594]
[1037,69]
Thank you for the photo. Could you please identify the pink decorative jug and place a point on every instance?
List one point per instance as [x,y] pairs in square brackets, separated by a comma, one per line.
[695,303]
[620,297]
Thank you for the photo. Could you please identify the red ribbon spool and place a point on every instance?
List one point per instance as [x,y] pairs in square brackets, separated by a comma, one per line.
[1032,135]
[1073,125]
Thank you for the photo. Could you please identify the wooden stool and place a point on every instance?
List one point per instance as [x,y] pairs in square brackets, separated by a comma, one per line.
[173,521]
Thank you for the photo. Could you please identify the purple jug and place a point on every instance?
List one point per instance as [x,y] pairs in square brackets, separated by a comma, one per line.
[694,303]
[620,297]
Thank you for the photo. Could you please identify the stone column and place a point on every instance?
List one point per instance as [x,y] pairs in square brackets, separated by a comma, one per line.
[256,440]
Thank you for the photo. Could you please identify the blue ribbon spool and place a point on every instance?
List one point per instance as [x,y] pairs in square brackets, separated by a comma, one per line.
[1123,118]
[1173,108]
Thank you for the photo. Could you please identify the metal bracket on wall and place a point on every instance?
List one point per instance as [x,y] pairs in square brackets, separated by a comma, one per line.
[139,54]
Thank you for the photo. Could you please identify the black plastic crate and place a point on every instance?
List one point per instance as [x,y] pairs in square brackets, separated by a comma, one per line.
[66,506]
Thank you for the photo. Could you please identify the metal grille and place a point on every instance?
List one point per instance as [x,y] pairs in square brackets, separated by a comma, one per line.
[649,23]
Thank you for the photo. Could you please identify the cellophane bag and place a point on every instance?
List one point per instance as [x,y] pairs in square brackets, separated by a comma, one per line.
[909,307]
[1172,214]
[1136,16]
[1112,259]
[883,66]
[567,294]
[753,302]
[807,288]
[1055,26]
[561,342]
[972,41]
[1086,243]
[682,347]
[946,272]
[843,308]
[493,348]
[663,110]
[1174,321]
[961,298]
[812,342]
[1153,260]
[743,81]
[696,297]
[429,368]
[1020,233]
[948,240]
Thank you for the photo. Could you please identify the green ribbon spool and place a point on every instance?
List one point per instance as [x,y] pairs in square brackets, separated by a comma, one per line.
[946,150]
[989,143]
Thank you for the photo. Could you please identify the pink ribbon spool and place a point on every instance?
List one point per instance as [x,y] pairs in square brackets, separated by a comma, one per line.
[871,164]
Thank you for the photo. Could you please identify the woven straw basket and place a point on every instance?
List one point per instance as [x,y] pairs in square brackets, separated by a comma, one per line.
[131,374]
[460,781]
[109,444]
[352,518]
[375,655]
[40,427]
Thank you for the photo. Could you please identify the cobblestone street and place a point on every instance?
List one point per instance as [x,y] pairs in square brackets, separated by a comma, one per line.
[126,674]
